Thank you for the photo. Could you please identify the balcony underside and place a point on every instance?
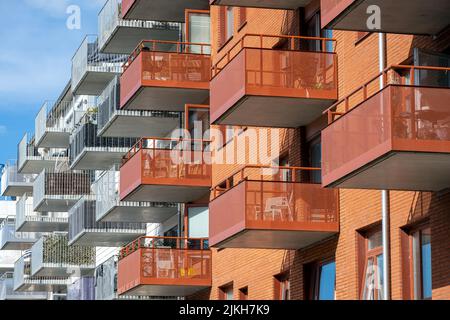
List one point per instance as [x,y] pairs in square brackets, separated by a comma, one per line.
[166,193]
[400,16]
[271,4]
[138,213]
[61,270]
[57,203]
[106,238]
[135,124]
[400,171]
[94,159]
[125,39]
[43,225]
[94,82]
[267,111]
[54,139]
[16,245]
[164,290]
[35,165]
[273,239]
[14,189]
[166,98]
[162,10]
[42,286]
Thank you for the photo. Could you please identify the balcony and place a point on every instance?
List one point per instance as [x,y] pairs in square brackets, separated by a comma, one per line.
[59,191]
[388,138]
[109,208]
[51,256]
[161,10]
[255,84]
[24,282]
[157,266]
[7,290]
[267,208]
[86,231]
[93,70]
[114,122]
[91,152]
[14,184]
[7,260]
[269,4]
[400,16]
[122,36]
[165,74]
[28,220]
[52,125]
[166,170]
[32,160]
[12,240]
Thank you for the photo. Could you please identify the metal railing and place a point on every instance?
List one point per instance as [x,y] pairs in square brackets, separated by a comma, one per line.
[25,213]
[88,58]
[7,292]
[107,191]
[82,219]
[85,138]
[8,233]
[406,75]
[61,185]
[109,107]
[11,176]
[110,18]
[52,117]
[266,41]
[54,251]
[164,243]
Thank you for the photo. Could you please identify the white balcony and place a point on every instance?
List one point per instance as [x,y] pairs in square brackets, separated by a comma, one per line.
[59,191]
[32,160]
[7,290]
[28,220]
[24,282]
[115,122]
[51,125]
[117,35]
[51,256]
[92,70]
[85,230]
[110,208]
[15,184]
[12,240]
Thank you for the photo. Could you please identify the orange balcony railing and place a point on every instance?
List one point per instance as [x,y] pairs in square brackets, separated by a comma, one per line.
[399,16]
[387,138]
[164,266]
[165,73]
[166,170]
[296,74]
[266,207]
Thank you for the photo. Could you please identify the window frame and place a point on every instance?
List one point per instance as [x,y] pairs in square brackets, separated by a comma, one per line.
[416,278]
[225,290]
[282,281]
[315,278]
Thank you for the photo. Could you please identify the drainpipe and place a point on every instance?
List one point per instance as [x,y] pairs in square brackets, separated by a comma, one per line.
[384,193]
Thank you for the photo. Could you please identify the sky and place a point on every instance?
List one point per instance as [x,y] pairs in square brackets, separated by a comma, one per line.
[36,49]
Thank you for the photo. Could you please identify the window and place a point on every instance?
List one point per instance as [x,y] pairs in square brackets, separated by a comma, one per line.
[243,293]
[322,277]
[226,292]
[282,286]
[198,30]
[372,285]
[421,263]
[229,22]
[242,16]
[315,159]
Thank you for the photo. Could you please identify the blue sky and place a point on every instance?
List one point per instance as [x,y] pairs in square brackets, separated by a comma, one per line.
[36,49]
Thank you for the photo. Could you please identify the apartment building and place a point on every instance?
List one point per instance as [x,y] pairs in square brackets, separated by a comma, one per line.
[252,149]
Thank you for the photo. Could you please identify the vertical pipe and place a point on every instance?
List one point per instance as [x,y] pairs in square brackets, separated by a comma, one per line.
[384,193]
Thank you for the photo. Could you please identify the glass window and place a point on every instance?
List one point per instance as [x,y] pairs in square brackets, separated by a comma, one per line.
[284,286]
[229,22]
[327,281]
[198,222]
[226,293]
[373,272]
[199,31]
[421,254]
